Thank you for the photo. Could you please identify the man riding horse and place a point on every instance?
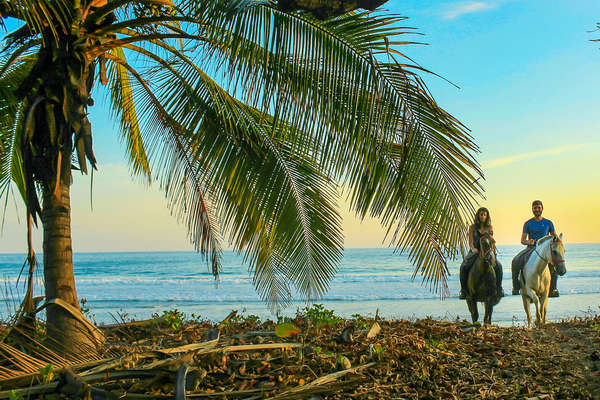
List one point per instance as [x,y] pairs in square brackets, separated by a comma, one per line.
[482,225]
[533,230]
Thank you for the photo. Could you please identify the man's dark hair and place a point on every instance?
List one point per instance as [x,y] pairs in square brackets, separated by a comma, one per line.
[536,203]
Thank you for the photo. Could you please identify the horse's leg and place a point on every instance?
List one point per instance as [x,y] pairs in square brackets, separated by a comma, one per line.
[489,307]
[544,298]
[544,301]
[538,307]
[472,304]
[526,307]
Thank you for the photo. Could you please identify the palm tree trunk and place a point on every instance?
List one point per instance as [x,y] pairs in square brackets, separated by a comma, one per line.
[64,330]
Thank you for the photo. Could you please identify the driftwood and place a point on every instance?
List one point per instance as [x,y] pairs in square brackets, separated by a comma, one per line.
[203,346]
[323,384]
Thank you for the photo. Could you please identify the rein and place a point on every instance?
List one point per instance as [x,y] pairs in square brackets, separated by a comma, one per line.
[484,255]
[553,261]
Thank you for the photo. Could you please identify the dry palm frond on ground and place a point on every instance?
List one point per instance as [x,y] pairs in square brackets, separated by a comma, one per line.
[330,358]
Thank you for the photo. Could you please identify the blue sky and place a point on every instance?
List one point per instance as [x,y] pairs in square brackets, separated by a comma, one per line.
[529,81]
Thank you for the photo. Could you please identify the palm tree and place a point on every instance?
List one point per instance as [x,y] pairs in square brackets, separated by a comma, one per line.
[251,117]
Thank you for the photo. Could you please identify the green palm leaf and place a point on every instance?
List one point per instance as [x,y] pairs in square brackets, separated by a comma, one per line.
[252,119]
[280,197]
[358,108]
[124,108]
[12,73]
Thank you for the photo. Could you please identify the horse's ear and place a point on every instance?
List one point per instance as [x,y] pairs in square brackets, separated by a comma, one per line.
[560,236]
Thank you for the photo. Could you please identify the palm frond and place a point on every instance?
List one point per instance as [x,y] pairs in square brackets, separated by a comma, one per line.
[48,19]
[12,72]
[124,108]
[330,80]
[186,193]
[257,182]
[302,106]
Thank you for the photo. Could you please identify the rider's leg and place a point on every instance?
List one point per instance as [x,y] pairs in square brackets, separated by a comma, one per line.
[464,274]
[517,265]
[465,266]
[553,288]
[516,269]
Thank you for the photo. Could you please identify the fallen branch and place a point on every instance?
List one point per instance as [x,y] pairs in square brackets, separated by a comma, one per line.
[319,384]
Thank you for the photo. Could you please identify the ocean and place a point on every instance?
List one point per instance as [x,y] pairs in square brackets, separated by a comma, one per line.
[138,285]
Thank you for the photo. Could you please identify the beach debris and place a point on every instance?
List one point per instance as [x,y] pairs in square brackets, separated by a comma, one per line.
[180,382]
[375,329]
[213,334]
[322,384]
[228,318]
[286,329]
[343,362]
[248,360]
[74,387]
[346,336]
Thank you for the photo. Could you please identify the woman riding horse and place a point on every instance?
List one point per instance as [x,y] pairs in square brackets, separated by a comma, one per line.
[481,282]
[482,225]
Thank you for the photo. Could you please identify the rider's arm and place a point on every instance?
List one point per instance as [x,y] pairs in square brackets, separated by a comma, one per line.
[526,241]
[525,236]
[552,231]
[473,249]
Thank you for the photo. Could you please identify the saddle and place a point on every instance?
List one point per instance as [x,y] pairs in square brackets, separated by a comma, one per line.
[521,258]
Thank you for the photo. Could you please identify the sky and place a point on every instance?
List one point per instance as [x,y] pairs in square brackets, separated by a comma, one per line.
[528,82]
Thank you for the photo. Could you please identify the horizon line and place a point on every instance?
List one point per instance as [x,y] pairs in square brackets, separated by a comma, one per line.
[194,251]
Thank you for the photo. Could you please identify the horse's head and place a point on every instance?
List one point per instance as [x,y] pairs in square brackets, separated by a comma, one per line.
[557,254]
[486,245]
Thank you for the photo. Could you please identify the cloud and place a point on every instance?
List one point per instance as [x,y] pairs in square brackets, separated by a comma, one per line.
[501,162]
[456,10]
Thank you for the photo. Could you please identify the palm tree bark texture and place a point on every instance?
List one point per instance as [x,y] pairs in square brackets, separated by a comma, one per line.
[57,93]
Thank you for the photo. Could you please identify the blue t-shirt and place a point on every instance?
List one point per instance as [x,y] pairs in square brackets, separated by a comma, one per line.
[538,229]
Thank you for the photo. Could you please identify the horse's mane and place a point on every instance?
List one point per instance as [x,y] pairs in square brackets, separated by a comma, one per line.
[542,240]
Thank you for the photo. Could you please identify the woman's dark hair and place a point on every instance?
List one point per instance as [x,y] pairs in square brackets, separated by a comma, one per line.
[488,220]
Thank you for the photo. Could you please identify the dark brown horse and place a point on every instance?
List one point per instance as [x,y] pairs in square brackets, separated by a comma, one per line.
[481,282]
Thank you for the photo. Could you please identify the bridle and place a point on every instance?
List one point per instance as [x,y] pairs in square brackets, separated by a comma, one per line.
[553,261]
[492,241]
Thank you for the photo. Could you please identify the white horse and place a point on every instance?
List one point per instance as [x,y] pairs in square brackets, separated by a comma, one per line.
[535,280]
